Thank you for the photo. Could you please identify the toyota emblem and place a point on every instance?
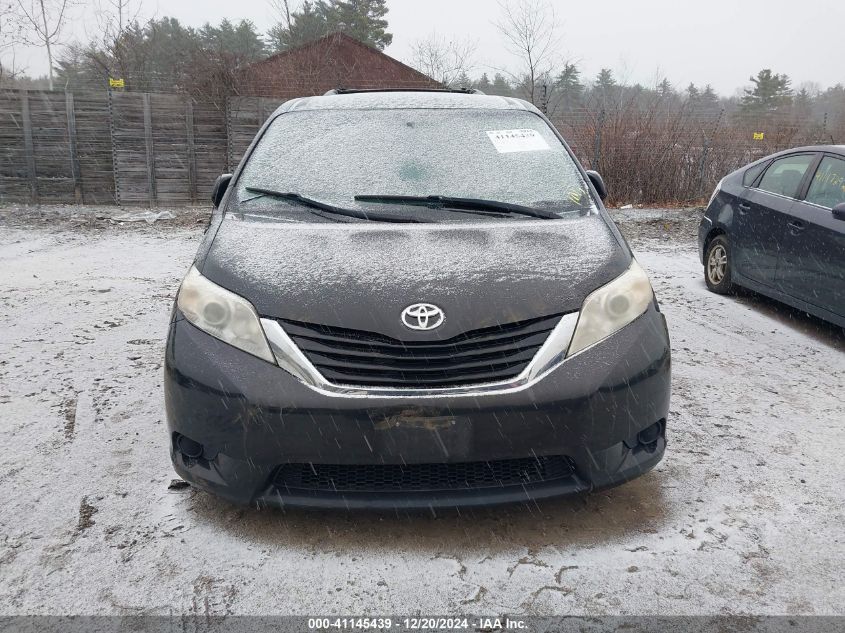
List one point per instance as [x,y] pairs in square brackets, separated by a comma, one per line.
[422,316]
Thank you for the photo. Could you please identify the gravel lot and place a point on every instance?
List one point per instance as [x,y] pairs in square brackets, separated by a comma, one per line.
[744,515]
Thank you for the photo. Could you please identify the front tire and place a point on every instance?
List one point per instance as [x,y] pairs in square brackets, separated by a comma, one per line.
[717,266]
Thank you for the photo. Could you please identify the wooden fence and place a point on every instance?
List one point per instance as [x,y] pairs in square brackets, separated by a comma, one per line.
[166,149]
[120,148]
[244,117]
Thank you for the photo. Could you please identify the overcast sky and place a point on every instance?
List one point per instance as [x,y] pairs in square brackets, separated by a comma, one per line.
[720,42]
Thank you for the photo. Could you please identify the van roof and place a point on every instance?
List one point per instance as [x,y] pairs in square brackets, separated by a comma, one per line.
[391,100]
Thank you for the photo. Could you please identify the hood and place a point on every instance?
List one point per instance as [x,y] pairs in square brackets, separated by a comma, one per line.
[362,276]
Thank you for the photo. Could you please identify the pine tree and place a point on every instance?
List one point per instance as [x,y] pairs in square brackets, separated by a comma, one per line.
[73,71]
[693,93]
[364,20]
[568,84]
[803,103]
[604,79]
[483,84]
[500,86]
[605,86]
[307,24]
[709,100]
[463,80]
[241,41]
[165,56]
[770,91]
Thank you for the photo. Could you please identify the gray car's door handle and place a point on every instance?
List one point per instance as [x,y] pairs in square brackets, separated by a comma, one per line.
[743,207]
[796,225]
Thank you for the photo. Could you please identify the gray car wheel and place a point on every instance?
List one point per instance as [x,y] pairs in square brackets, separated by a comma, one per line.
[717,265]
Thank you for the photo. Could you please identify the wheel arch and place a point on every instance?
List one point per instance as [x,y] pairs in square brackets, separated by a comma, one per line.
[715,232]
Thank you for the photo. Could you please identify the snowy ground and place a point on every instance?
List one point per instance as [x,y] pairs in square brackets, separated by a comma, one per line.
[744,515]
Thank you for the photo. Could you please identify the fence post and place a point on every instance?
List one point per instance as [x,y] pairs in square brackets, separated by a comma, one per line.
[192,154]
[704,150]
[113,150]
[228,116]
[29,148]
[148,138]
[702,167]
[597,148]
[72,142]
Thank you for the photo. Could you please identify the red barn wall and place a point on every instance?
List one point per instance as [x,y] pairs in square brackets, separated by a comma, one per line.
[334,61]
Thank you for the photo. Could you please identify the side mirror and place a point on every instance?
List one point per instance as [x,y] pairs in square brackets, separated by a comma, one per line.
[839,211]
[598,183]
[220,187]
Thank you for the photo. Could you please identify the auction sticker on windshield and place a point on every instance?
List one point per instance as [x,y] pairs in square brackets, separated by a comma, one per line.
[527,140]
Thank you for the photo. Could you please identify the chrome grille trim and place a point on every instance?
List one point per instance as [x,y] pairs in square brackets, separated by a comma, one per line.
[363,358]
[550,355]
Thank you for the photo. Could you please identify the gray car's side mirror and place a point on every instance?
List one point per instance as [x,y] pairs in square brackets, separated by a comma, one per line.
[220,186]
[598,183]
[839,211]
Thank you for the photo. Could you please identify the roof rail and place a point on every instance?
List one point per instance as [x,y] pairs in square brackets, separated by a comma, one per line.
[347,91]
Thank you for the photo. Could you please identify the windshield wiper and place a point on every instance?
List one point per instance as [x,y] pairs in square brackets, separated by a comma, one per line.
[330,208]
[460,204]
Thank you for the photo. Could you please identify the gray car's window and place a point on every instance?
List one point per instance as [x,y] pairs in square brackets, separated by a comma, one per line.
[827,188]
[785,174]
[333,155]
[751,174]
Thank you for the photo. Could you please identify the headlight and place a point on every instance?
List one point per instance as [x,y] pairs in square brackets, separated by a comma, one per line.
[612,307]
[222,314]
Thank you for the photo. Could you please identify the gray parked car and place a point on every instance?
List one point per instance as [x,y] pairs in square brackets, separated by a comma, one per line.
[777,226]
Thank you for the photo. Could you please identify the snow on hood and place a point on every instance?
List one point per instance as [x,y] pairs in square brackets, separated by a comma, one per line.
[363,275]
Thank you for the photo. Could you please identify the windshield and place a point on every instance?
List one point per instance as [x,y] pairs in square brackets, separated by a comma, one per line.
[509,156]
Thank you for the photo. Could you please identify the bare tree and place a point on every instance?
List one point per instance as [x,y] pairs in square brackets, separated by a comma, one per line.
[9,23]
[444,60]
[530,29]
[285,13]
[114,16]
[283,9]
[44,20]
[10,28]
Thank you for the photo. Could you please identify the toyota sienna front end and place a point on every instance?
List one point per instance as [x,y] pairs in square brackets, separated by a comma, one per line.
[413,300]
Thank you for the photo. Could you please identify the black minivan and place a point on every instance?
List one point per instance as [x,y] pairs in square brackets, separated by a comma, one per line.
[413,300]
[777,226]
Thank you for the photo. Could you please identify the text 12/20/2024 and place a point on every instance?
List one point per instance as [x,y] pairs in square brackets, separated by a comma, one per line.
[419,623]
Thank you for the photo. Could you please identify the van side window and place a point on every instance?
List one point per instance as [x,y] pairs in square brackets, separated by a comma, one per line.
[785,174]
[828,186]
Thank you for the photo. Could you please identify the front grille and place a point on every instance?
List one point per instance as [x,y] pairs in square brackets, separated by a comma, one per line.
[422,477]
[356,357]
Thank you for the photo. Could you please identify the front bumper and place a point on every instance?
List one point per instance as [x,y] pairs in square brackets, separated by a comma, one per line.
[250,418]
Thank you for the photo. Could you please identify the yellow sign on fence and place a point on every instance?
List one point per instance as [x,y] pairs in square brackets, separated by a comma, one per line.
[116,83]
[758,136]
